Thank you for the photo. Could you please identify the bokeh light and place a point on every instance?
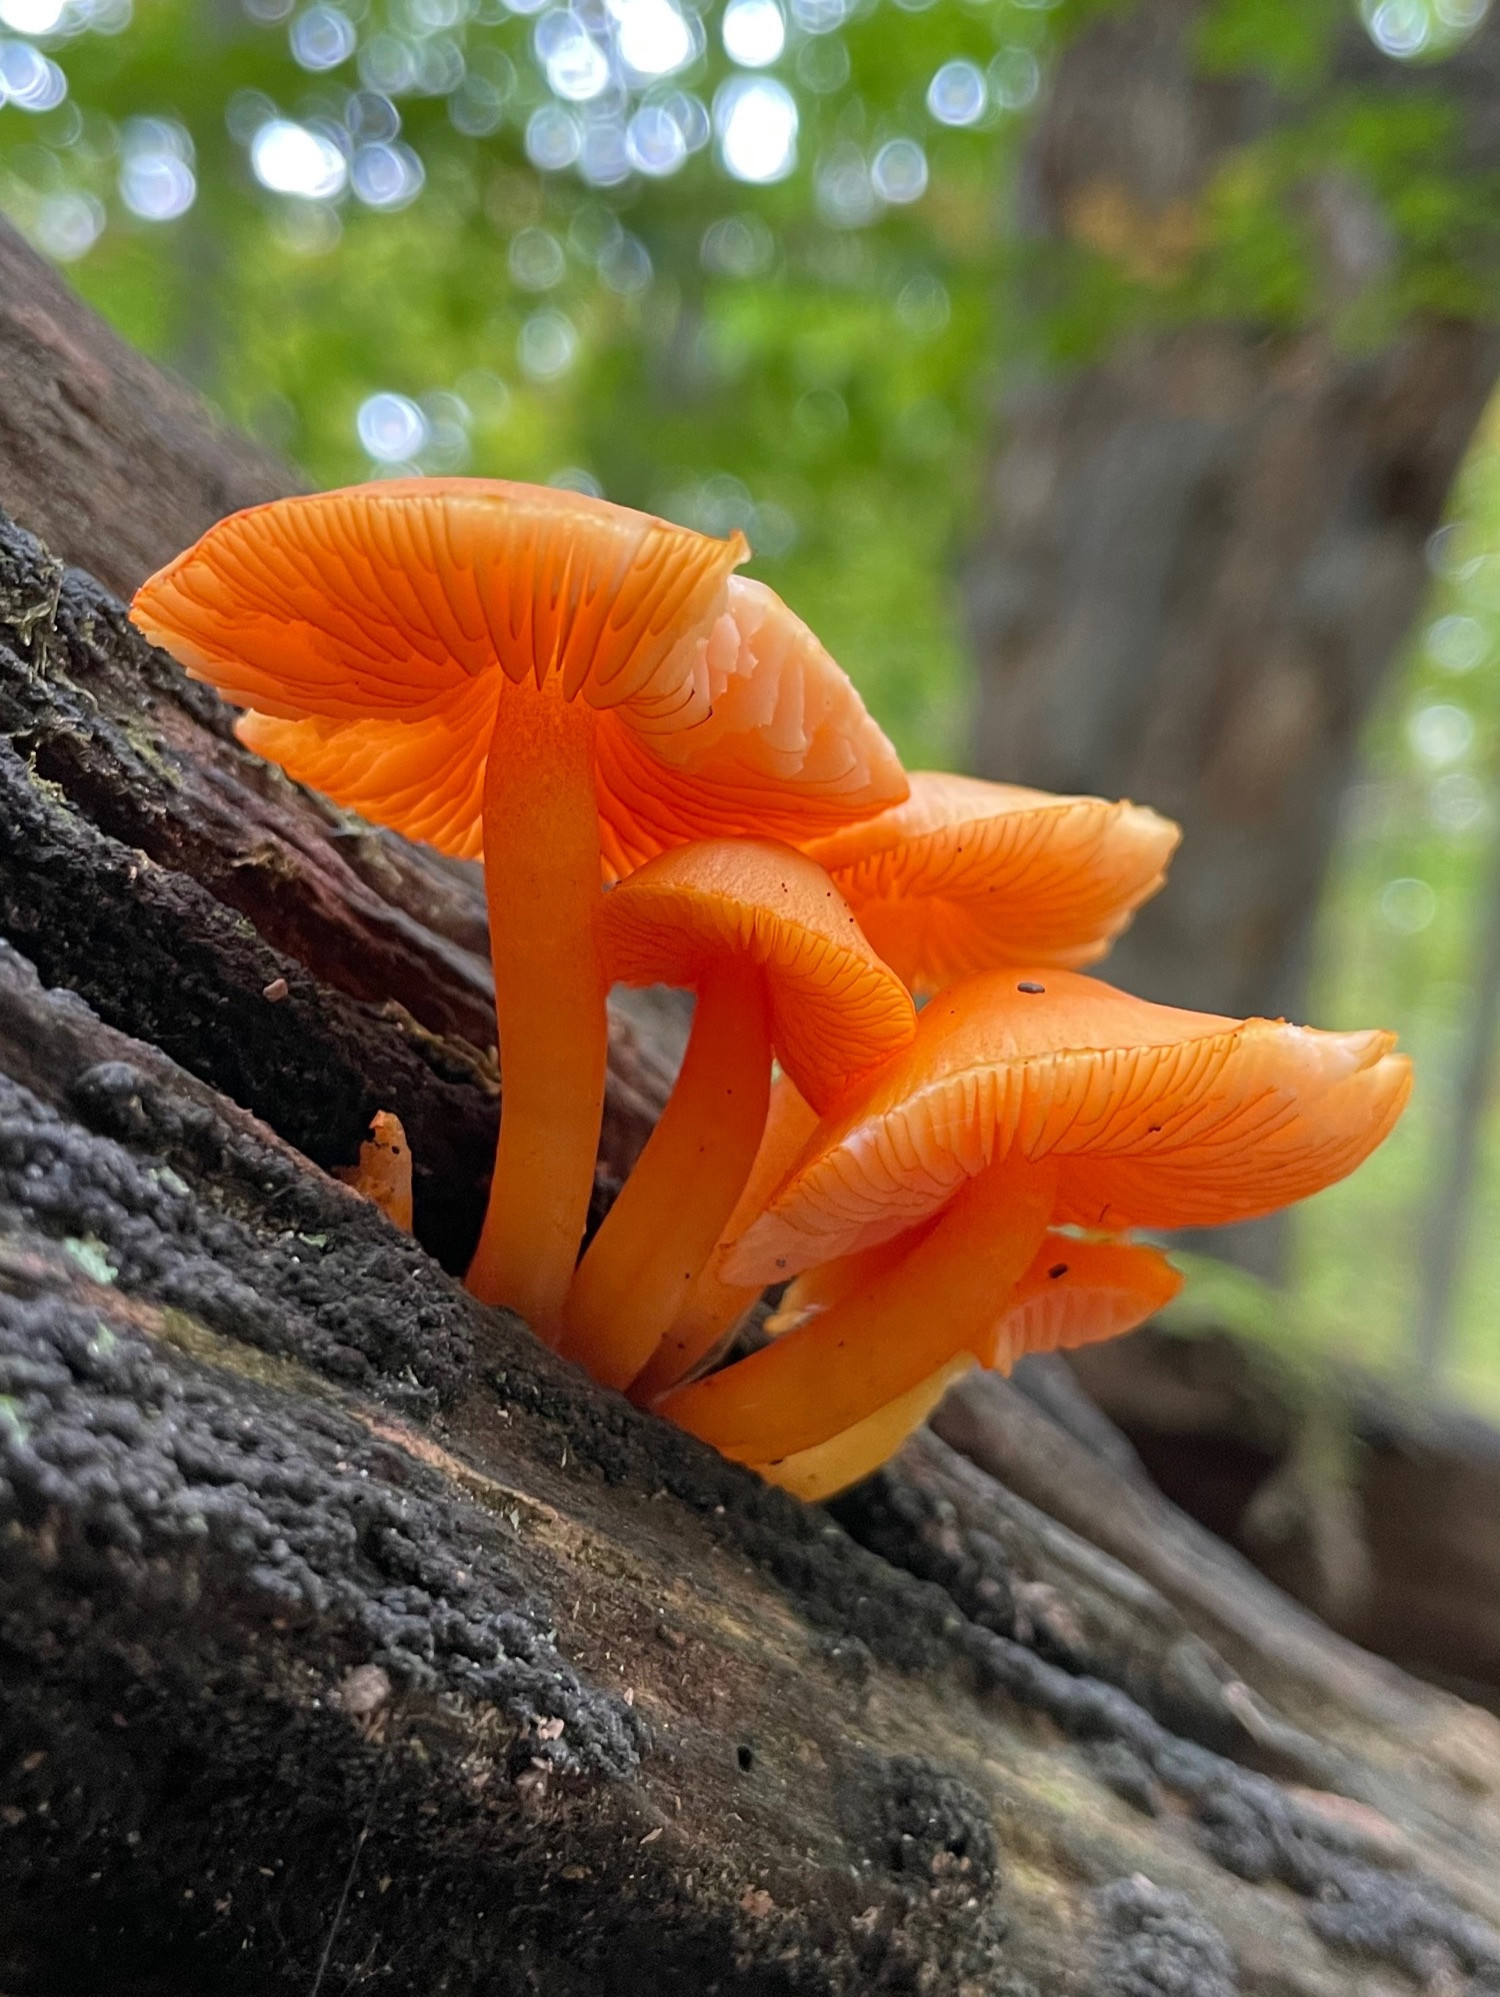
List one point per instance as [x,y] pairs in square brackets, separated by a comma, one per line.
[754,32]
[31,17]
[655,142]
[391,428]
[574,478]
[1457,803]
[575,66]
[322,38]
[554,138]
[67,226]
[289,158]
[756,120]
[604,158]
[30,80]
[1015,77]
[958,94]
[820,17]
[386,175]
[737,246]
[898,172]
[653,37]
[843,190]
[548,345]
[1408,905]
[156,179]
[624,265]
[1457,643]
[1441,732]
[536,260]
[1406,29]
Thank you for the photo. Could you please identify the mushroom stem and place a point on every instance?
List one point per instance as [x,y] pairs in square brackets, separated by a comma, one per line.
[713,1307]
[830,1467]
[541,881]
[820,1288]
[659,1233]
[877,1344]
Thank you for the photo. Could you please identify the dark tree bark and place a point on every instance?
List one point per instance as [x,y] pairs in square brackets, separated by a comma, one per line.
[1204,550]
[349,1639]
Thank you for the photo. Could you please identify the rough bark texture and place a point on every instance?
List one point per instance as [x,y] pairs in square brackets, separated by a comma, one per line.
[1204,550]
[348,1640]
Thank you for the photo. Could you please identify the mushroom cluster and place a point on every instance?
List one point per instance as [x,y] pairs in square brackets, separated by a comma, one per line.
[670,781]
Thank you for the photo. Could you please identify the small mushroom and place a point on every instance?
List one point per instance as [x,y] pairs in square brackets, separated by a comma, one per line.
[966,876]
[779,964]
[963,877]
[383,1174]
[564,686]
[1007,1116]
[1075,1292]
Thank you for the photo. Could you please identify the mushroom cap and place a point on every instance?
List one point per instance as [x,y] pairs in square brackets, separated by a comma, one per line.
[835,1009]
[967,875]
[1080,1291]
[383,600]
[1157,1117]
[374,633]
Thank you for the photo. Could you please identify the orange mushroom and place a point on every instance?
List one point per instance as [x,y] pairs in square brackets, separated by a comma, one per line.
[1075,1292]
[713,1305]
[1077,1289]
[1024,1102]
[963,877]
[778,963]
[830,1467]
[966,876]
[563,685]
[383,1174]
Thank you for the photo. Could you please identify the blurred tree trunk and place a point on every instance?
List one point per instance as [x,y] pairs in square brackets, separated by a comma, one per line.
[1446,1228]
[1203,550]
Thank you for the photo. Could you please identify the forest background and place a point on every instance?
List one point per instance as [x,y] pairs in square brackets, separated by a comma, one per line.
[857,276]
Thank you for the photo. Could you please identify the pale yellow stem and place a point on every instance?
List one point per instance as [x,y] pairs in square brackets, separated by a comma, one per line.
[832,1466]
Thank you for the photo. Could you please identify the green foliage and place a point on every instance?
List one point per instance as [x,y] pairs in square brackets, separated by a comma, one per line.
[1290,47]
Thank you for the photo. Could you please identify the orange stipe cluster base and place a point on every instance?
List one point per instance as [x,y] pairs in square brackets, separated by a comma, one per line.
[669,780]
